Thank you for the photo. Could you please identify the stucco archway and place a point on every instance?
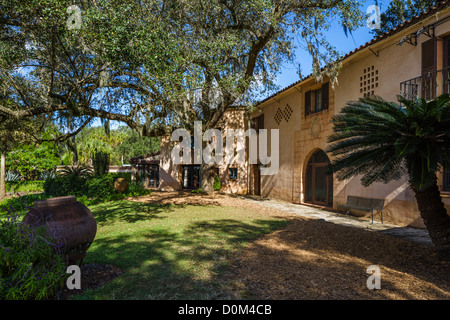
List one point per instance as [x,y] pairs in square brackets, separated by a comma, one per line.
[318,185]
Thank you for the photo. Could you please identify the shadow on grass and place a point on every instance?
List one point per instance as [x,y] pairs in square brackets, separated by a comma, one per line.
[128,211]
[187,263]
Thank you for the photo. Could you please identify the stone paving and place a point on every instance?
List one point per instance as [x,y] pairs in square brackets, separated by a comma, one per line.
[419,236]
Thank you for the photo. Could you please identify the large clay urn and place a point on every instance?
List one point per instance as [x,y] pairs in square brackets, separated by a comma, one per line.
[72,221]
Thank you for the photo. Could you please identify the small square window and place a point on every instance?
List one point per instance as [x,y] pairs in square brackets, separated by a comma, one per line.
[233,173]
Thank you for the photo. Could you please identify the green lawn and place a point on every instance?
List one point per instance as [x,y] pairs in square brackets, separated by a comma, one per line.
[169,251]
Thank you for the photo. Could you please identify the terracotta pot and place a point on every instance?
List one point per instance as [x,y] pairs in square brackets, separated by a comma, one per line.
[72,221]
[121,184]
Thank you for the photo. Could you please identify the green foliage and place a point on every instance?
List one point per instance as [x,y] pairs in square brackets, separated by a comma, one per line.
[138,62]
[76,171]
[23,202]
[25,186]
[101,163]
[30,264]
[91,190]
[32,160]
[199,190]
[121,144]
[46,175]
[67,185]
[12,176]
[216,184]
[400,11]
[135,145]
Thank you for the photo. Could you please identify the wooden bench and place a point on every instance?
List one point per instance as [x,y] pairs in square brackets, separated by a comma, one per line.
[364,204]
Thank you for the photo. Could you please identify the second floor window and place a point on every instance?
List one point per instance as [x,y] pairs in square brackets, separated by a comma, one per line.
[317,100]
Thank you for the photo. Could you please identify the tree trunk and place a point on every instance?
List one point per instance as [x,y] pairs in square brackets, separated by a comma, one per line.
[436,219]
[208,174]
[2,176]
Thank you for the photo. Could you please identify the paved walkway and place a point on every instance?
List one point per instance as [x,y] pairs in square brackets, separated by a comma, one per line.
[419,236]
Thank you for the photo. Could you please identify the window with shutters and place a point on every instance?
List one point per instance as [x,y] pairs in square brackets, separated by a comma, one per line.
[317,100]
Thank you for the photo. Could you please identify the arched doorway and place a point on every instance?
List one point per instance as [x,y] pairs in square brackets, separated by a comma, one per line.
[319,185]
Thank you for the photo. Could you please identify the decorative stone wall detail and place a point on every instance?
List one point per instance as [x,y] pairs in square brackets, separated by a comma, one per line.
[283,114]
[316,126]
[368,82]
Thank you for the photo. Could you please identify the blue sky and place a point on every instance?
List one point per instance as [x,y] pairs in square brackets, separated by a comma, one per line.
[337,38]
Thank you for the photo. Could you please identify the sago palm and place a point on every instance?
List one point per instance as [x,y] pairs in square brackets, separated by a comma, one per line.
[382,141]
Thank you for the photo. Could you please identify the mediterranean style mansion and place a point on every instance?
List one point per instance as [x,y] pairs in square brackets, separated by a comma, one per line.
[411,60]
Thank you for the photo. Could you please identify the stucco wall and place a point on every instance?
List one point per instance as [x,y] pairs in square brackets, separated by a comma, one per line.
[379,70]
[171,175]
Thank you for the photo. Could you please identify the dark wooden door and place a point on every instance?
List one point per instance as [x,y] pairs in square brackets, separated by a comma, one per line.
[319,184]
[256,180]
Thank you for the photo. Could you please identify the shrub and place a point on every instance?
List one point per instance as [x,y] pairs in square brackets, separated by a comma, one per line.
[30,264]
[78,171]
[135,190]
[101,163]
[91,190]
[21,203]
[25,186]
[199,190]
[11,176]
[68,185]
[216,185]
[46,175]
[100,186]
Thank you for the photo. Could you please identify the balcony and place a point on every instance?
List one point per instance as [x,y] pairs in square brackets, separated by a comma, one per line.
[429,86]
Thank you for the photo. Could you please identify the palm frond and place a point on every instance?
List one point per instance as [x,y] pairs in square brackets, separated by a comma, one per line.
[382,141]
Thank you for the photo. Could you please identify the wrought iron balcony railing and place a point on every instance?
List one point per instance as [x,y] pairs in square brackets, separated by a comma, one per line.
[428,86]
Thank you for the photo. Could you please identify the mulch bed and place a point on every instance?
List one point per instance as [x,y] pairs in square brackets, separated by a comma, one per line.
[318,260]
[93,275]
